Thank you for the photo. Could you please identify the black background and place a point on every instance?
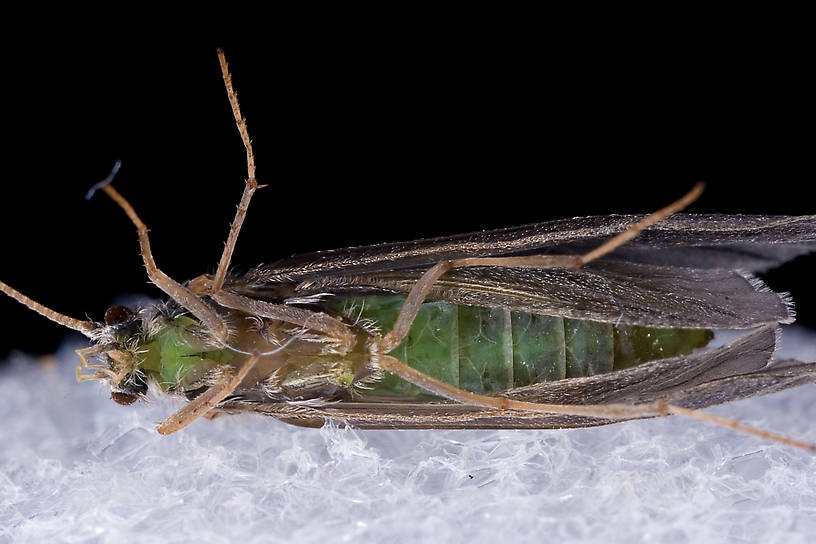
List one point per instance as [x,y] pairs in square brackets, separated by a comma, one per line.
[370,138]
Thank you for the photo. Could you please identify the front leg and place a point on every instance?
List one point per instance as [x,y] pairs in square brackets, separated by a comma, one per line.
[205,402]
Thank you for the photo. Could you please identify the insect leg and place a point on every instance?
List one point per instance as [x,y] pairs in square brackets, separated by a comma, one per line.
[577,261]
[207,400]
[420,290]
[737,426]
[645,223]
[617,412]
[175,290]
[317,321]
[251,183]
[429,383]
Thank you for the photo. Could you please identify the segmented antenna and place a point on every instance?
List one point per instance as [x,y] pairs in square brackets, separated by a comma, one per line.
[85,327]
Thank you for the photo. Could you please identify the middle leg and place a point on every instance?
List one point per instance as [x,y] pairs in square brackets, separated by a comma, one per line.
[423,286]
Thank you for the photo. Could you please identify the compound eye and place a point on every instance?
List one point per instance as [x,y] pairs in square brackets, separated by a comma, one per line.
[123,398]
[116,315]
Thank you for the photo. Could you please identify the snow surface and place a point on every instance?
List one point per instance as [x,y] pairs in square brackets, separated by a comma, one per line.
[76,467]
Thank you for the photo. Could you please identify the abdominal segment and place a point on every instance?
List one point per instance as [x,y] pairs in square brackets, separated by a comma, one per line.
[488,350]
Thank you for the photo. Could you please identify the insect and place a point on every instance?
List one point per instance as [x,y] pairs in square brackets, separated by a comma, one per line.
[561,324]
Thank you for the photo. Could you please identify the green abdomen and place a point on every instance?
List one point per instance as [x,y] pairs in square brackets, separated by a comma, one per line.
[486,350]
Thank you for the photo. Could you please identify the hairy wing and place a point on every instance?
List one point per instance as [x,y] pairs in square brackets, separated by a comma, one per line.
[741,369]
[616,292]
[747,242]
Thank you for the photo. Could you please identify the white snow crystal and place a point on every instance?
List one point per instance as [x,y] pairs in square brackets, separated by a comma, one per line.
[76,467]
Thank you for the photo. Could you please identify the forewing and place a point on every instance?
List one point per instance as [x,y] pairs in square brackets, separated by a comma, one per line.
[741,369]
[617,292]
[748,242]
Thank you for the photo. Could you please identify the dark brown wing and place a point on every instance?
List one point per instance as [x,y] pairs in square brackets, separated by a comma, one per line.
[686,271]
[626,293]
[741,369]
[747,242]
